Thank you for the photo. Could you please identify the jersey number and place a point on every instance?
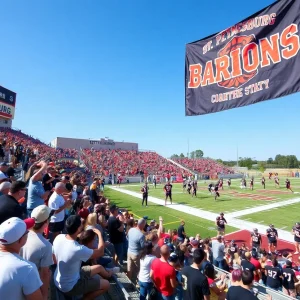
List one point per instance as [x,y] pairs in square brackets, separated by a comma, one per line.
[184,283]
[288,276]
[272,274]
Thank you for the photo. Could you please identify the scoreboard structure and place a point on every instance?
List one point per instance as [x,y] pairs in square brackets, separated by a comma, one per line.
[7,106]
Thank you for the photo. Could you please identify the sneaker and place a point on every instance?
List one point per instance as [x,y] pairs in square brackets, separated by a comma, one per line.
[114,270]
[296,252]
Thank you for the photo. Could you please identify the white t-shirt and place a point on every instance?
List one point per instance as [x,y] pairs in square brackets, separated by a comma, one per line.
[145,265]
[56,202]
[15,273]
[37,250]
[69,255]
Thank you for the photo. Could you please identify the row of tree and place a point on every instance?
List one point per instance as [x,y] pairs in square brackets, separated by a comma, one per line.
[194,154]
[280,161]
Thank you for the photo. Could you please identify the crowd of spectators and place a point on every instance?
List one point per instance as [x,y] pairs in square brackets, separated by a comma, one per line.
[130,163]
[100,239]
[205,166]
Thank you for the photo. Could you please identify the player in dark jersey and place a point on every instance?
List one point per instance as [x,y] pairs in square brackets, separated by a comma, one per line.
[263,182]
[251,183]
[145,191]
[256,240]
[288,185]
[210,188]
[243,183]
[296,233]
[289,279]
[189,186]
[220,222]
[168,192]
[233,248]
[270,176]
[194,188]
[273,274]
[276,179]
[229,183]
[184,185]
[154,181]
[272,235]
[216,192]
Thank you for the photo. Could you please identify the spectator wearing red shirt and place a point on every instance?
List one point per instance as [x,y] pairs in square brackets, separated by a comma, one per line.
[164,275]
[254,260]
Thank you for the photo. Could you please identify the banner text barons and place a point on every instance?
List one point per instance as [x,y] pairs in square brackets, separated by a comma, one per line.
[248,59]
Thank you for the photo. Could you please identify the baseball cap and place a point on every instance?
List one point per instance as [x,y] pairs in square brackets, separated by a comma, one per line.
[13,229]
[173,257]
[152,221]
[41,213]
[3,164]
[288,263]
[83,213]
[194,242]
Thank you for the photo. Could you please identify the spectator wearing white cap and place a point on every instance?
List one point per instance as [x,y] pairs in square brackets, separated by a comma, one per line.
[37,249]
[58,203]
[9,205]
[19,278]
[4,188]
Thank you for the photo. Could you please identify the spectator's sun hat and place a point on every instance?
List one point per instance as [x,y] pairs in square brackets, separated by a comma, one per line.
[13,229]
[41,213]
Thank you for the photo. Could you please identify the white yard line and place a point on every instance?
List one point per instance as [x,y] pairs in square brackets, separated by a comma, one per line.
[263,208]
[230,217]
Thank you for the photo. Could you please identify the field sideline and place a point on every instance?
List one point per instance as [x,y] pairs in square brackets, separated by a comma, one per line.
[194,225]
[235,199]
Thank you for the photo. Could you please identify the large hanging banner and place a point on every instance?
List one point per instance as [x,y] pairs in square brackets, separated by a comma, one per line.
[255,60]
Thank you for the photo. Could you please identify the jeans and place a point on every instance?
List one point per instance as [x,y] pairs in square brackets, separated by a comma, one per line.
[120,252]
[145,288]
[219,264]
[162,297]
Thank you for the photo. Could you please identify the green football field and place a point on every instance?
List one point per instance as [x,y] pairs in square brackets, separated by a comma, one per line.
[231,200]
[283,217]
[172,218]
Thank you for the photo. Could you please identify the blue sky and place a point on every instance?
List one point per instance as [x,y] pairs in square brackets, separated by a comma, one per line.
[91,69]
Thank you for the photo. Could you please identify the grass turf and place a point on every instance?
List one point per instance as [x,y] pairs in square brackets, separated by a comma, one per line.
[283,217]
[172,218]
[227,202]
